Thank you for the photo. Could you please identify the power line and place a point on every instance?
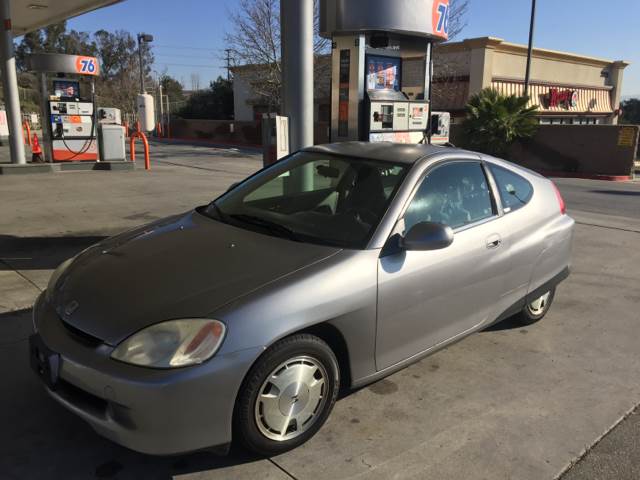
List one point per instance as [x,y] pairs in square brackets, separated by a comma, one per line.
[177,47]
[189,65]
[181,56]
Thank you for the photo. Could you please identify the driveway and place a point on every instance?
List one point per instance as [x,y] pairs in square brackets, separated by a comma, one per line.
[506,403]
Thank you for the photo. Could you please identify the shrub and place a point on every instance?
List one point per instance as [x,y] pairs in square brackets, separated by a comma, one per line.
[495,121]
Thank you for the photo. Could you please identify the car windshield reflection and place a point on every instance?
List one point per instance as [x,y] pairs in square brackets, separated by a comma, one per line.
[315,198]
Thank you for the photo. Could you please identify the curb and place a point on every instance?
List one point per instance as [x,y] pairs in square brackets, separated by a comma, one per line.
[207,143]
[586,176]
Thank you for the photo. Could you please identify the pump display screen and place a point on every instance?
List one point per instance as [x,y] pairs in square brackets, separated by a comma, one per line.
[383,73]
[66,88]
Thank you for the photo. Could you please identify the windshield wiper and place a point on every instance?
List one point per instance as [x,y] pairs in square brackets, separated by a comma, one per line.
[267,224]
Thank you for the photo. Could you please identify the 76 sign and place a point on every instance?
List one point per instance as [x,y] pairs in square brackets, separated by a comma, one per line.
[87,66]
[440,18]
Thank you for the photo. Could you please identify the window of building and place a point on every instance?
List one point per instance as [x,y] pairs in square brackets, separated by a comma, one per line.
[515,191]
[454,194]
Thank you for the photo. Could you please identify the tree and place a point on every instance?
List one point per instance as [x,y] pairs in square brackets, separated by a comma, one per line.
[458,10]
[118,83]
[172,88]
[214,103]
[495,121]
[631,111]
[195,81]
[53,39]
[255,40]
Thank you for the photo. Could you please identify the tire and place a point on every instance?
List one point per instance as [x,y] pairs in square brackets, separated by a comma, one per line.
[294,383]
[534,311]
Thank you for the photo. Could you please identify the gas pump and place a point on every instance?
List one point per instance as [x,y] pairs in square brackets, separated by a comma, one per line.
[73,126]
[70,134]
[382,69]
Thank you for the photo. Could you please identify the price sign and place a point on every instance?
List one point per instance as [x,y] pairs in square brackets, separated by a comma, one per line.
[87,66]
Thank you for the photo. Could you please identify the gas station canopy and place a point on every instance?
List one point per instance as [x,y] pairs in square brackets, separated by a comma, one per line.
[29,15]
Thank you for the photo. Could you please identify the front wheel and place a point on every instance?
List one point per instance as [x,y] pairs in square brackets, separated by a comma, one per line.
[536,309]
[287,395]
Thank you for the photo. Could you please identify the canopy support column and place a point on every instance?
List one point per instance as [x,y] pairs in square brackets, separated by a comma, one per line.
[10,86]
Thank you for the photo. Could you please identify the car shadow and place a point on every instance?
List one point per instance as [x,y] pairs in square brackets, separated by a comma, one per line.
[627,193]
[41,253]
[41,439]
[511,323]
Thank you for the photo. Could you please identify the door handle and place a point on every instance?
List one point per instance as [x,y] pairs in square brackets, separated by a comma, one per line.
[494,241]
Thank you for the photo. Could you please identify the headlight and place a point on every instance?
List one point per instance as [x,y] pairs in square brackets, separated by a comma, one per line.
[57,273]
[176,343]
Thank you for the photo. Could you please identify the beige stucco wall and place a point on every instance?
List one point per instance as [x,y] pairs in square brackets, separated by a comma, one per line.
[242,92]
[513,65]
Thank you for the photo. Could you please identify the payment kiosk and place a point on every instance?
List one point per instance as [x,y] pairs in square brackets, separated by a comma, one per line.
[382,69]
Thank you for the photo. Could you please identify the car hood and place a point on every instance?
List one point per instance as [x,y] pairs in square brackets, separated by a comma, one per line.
[185,266]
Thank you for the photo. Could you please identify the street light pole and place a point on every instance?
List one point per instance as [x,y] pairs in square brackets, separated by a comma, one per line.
[142,38]
[527,77]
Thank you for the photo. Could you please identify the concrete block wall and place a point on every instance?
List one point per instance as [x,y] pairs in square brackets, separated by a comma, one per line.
[580,150]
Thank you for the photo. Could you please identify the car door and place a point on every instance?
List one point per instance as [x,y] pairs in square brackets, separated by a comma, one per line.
[427,297]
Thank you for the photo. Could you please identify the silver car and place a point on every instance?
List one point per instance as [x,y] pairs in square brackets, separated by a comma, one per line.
[242,319]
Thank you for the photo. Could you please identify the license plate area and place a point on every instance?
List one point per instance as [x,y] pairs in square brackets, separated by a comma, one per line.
[44,361]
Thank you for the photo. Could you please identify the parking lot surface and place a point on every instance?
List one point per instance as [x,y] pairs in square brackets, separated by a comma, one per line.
[507,403]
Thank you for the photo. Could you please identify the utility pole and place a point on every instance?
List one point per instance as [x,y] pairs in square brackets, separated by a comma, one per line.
[527,77]
[161,105]
[228,51]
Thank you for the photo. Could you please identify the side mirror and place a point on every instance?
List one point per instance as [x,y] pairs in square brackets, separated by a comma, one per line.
[427,236]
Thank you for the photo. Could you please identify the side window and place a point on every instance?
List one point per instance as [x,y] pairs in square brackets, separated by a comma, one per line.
[454,194]
[515,191]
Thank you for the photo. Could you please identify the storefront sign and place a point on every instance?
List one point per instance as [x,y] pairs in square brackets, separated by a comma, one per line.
[562,98]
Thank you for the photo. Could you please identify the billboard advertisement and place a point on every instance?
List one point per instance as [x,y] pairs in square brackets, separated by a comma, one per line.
[383,73]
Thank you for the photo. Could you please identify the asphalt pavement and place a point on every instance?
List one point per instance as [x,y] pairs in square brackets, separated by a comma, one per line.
[533,403]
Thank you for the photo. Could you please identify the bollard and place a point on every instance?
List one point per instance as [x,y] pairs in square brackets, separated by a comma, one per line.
[132,148]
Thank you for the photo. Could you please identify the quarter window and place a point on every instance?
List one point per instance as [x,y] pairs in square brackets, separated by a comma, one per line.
[515,191]
[455,194]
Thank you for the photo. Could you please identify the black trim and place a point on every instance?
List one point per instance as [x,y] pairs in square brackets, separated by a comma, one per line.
[547,286]
[531,296]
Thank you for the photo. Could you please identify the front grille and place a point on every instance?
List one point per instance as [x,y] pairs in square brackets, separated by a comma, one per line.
[81,336]
[87,402]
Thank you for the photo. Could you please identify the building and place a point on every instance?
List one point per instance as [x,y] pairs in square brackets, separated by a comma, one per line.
[249,104]
[567,88]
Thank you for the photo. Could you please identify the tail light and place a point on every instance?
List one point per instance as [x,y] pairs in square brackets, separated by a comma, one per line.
[563,207]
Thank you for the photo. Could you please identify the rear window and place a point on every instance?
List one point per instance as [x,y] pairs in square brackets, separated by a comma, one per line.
[515,191]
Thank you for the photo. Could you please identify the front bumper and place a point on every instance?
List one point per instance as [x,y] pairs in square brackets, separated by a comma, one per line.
[159,412]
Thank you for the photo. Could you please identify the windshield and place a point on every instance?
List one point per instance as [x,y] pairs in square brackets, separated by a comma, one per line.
[313,197]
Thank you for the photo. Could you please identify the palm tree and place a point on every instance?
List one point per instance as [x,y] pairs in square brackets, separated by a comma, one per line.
[494,121]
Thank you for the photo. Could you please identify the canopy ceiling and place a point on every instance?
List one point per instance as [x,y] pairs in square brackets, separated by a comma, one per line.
[28,15]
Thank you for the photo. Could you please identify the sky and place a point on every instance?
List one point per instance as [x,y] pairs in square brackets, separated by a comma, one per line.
[189,35]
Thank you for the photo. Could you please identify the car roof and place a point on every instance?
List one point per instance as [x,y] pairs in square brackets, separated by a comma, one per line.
[386,151]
